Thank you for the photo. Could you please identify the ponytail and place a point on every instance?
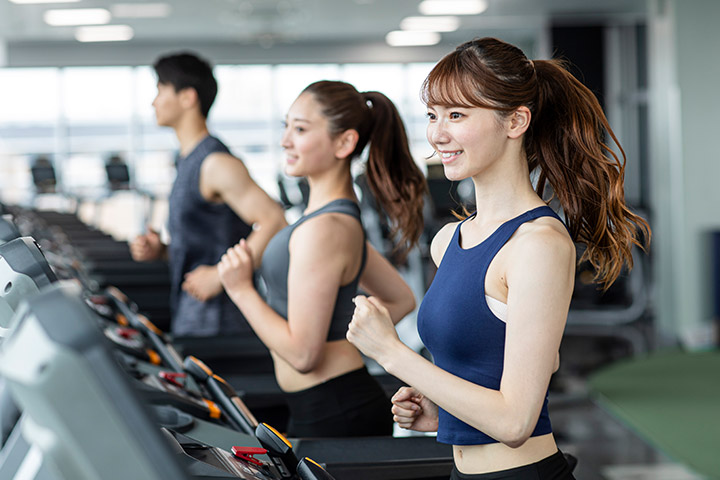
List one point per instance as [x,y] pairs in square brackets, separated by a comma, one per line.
[567,140]
[394,178]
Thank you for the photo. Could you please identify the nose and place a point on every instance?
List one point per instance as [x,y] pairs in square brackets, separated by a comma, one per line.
[436,133]
[285,139]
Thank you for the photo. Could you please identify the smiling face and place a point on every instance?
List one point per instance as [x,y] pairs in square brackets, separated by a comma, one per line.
[467,140]
[309,148]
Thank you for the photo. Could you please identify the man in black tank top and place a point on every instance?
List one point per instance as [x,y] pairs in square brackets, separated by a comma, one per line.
[213,204]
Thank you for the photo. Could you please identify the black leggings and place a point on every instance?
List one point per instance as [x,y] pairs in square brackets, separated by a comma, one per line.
[351,405]
[554,467]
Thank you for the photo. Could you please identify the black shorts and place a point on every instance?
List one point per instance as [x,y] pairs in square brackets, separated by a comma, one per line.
[351,405]
[554,467]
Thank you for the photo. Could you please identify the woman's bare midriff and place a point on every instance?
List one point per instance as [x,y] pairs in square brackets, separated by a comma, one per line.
[339,357]
[493,457]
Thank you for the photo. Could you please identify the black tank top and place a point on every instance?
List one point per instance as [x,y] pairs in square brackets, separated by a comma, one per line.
[276,262]
[200,233]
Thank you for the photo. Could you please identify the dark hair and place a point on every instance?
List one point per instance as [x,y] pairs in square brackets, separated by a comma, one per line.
[186,70]
[394,178]
[565,141]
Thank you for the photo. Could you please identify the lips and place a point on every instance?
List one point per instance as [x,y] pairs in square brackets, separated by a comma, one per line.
[447,157]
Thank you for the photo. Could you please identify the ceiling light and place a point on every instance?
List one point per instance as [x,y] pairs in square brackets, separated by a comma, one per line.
[453,7]
[77,16]
[140,10]
[106,33]
[405,38]
[430,24]
[27,2]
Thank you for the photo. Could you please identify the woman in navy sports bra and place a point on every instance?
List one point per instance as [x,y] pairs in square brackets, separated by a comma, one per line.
[494,315]
[313,268]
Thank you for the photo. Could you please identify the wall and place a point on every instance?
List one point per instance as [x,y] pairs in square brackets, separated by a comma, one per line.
[685,172]
[698,62]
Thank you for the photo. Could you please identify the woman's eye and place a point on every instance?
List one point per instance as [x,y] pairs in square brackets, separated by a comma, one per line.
[430,115]
[455,115]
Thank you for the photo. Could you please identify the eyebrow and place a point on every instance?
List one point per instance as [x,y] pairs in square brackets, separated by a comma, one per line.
[297,119]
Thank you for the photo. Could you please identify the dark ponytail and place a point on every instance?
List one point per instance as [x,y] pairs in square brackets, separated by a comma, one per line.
[393,176]
[395,179]
[565,142]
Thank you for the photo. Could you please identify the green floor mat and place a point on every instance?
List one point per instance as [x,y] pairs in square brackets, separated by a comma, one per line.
[671,399]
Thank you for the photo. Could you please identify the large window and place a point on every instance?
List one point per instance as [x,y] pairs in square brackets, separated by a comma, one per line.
[78,117]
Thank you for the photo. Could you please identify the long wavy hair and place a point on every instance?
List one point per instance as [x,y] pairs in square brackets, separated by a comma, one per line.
[565,142]
[394,178]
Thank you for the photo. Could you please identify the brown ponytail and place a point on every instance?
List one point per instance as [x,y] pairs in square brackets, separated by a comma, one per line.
[393,176]
[565,142]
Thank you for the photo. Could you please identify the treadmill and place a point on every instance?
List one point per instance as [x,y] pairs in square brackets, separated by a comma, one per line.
[83,418]
[347,458]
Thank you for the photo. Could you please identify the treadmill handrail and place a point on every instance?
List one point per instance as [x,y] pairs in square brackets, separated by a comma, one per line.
[164,349]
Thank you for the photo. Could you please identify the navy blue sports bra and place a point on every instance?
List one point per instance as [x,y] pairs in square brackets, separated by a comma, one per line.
[458,328]
[276,262]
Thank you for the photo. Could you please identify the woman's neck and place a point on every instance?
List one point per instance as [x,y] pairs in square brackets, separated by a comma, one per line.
[329,186]
[504,192]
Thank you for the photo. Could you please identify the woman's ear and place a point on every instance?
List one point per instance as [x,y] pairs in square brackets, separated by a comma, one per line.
[518,122]
[346,142]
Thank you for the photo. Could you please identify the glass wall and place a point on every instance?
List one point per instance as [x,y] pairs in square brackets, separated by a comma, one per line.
[78,117]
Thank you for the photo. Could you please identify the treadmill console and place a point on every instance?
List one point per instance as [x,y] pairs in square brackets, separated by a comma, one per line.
[81,410]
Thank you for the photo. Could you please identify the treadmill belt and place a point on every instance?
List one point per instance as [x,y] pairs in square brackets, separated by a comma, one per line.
[379,458]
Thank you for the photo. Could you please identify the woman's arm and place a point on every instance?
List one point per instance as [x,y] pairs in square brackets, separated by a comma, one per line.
[540,280]
[382,281]
[318,257]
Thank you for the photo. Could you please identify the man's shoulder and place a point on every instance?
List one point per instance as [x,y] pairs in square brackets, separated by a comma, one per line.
[222,162]
[222,171]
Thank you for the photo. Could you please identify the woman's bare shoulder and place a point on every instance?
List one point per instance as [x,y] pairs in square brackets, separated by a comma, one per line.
[441,240]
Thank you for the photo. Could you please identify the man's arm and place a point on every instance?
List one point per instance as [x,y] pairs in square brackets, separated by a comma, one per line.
[225,179]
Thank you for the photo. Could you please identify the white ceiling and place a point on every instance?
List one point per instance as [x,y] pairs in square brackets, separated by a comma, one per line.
[277,22]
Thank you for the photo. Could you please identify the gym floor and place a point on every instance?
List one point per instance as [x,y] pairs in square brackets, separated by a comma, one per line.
[605,448]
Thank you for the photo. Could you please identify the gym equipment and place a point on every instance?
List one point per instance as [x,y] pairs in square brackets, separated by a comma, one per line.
[100,259]
[153,334]
[616,313]
[240,416]
[8,229]
[309,469]
[355,458]
[23,272]
[118,173]
[347,458]
[82,414]
[43,175]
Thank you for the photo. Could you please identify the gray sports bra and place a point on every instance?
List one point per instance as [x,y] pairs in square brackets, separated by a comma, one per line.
[276,262]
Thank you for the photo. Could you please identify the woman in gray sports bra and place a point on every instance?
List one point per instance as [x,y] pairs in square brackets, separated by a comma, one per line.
[313,268]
